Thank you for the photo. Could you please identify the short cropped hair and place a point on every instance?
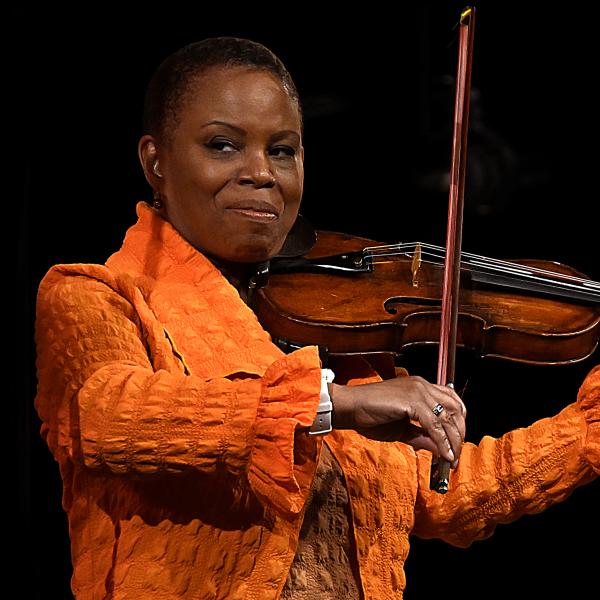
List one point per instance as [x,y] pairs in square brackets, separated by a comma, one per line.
[173,80]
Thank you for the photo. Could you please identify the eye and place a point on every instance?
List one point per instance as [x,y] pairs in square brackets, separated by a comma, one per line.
[222,145]
[282,152]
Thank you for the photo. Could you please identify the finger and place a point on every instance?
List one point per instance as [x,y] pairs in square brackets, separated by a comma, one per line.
[463,408]
[419,439]
[452,407]
[455,428]
[436,428]
[455,431]
[404,432]
[396,431]
[454,399]
[455,421]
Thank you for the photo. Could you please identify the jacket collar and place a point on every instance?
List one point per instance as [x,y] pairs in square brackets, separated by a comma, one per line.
[154,248]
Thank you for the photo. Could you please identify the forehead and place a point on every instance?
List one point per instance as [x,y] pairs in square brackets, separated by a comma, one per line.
[239,94]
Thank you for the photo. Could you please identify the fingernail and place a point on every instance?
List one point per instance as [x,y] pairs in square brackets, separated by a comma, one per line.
[452,458]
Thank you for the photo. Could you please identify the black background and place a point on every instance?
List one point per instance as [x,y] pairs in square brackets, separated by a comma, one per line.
[378,101]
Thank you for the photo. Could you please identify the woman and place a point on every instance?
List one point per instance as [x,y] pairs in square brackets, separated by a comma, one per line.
[198,460]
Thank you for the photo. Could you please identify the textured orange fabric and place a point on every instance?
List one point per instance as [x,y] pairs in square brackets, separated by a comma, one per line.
[176,425]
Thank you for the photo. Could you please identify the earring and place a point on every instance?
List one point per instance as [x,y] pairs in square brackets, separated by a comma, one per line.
[157,201]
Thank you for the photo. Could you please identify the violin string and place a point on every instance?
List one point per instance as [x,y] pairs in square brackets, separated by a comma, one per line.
[548,283]
[516,274]
[510,270]
[485,261]
[439,253]
[506,267]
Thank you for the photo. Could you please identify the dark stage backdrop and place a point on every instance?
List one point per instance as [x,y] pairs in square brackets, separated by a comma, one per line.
[378,100]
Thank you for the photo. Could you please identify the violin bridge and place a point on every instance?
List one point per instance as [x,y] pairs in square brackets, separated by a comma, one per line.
[416,264]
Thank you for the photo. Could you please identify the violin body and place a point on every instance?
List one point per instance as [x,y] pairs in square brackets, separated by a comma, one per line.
[395,307]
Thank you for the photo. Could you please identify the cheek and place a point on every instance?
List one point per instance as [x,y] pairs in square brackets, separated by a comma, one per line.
[292,186]
[209,178]
[192,200]
[196,175]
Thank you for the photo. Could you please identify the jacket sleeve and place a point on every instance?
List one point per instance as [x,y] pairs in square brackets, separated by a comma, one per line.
[522,472]
[103,403]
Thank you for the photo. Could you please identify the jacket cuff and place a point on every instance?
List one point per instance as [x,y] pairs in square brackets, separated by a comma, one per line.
[283,460]
[588,400]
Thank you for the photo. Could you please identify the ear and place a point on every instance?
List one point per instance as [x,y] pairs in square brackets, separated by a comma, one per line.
[148,155]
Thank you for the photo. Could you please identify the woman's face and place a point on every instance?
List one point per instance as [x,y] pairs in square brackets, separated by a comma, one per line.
[231,176]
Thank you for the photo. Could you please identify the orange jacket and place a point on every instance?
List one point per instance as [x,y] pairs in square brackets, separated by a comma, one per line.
[173,419]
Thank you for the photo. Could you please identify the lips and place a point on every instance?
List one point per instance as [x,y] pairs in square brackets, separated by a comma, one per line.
[255,209]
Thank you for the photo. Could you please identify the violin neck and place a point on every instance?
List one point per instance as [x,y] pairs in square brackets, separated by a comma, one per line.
[482,270]
[500,273]
[547,284]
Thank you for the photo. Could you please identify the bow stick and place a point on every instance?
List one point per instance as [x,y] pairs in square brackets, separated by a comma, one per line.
[440,469]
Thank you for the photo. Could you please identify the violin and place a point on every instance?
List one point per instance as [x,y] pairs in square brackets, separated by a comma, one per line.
[351,295]
[355,296]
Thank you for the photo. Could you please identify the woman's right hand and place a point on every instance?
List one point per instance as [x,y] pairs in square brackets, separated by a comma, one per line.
[401,409]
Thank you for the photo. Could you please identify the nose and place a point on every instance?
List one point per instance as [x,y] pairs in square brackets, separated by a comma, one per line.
[256,172]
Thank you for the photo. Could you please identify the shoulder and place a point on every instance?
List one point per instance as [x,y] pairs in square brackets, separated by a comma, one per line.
[79,286]
[83,298]
[75,276]
[62,272]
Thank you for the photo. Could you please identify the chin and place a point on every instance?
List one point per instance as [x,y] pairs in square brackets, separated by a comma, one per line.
[254,255]
[255,252]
